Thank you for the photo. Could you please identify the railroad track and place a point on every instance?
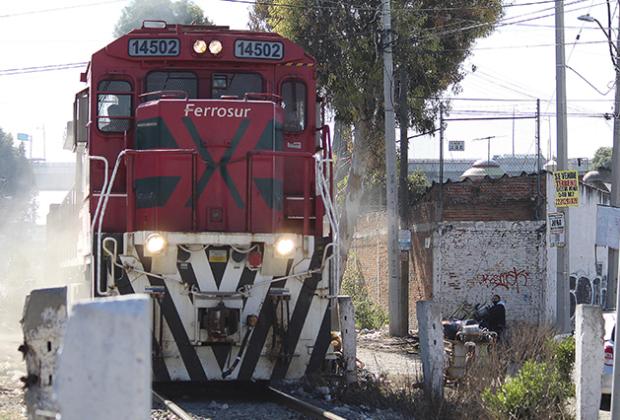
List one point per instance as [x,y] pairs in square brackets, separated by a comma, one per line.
[270,395]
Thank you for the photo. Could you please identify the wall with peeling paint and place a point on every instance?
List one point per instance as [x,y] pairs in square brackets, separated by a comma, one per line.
[475,260]
[588,265]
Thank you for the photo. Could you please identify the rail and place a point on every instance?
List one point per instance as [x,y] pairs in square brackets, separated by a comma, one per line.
[271,394]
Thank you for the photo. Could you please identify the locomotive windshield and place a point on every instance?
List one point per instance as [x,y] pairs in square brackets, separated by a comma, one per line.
[235,84]
[114,105]
[173,80]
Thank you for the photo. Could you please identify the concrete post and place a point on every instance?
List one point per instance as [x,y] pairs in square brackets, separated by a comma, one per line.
[431,347]
[104,366]
[588,360]
[349,339]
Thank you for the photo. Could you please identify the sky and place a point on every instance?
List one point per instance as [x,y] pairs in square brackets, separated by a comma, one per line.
[515,64]
[40,104]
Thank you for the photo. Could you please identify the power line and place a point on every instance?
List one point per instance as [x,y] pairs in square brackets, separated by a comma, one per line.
[59,9]
[338,5]
[520,100]
[508,21]
[518,46]
[39,69]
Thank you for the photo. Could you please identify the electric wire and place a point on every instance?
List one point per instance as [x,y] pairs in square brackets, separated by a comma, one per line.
[59,9]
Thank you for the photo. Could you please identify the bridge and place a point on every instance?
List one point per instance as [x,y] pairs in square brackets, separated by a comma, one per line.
[53,176]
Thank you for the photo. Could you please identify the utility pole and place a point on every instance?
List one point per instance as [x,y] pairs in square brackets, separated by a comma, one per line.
[441,136]
[614,199]
[397,327]
[403,117]
[538,189]
[563,268]
[513,132]
[612,256]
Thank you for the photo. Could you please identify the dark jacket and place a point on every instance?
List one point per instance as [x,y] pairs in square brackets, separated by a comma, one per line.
[496,317]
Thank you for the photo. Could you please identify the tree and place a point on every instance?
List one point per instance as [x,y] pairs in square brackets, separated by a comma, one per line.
[602,158]
[417,183]
[431,40]
[16,181]
[181,12]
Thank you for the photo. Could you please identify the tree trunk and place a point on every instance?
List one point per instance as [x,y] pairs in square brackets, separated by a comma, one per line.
[355,189]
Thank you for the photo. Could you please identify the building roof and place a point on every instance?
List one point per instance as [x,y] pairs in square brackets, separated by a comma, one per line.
[482,168]
[512,166]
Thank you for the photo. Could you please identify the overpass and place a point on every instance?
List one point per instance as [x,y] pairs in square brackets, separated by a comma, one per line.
[53,176]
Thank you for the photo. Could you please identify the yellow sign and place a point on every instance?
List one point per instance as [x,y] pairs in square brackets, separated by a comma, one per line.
[566,188]
[218,255]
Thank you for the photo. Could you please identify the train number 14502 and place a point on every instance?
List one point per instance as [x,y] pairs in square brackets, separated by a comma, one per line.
[154,47]
[262,50]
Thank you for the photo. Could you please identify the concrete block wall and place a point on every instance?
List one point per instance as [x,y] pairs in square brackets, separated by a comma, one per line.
[474,260]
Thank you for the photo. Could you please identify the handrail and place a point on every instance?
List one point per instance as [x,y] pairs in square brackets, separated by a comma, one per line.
[303,155]
[324,186]
[263,95]
[180,94]
[97,209]
[106,197]
[103,188]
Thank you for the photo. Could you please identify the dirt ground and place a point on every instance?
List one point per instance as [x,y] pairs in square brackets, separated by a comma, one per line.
[11,369]
[382,354]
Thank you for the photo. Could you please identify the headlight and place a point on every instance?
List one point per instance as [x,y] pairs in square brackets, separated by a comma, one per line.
[155,243]
[200,46]
[284,246]
[215,47]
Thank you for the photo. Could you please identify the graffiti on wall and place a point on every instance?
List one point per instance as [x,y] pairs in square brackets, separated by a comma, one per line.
[513,279]
[586,290]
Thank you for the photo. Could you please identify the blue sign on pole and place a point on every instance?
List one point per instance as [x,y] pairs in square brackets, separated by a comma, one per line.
[24,137]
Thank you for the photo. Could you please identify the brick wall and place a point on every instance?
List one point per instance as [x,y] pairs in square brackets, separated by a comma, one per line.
[506,198]
[369,248]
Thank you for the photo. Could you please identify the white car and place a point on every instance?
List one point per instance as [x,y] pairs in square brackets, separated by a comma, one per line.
[608,361]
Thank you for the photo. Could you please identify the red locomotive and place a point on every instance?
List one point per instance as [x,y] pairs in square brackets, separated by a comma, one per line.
[204,181]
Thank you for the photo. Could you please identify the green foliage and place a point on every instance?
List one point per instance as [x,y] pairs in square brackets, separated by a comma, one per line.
[345,39]
[417,183]
[367,313]
[16,180]
[563,356]
[538,391]
[181,12]
[602,158]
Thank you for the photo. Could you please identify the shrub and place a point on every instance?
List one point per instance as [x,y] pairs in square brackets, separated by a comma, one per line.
[538,391]
[563,353]
[367,313]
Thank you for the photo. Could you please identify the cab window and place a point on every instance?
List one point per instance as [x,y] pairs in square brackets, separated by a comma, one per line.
[114,106]
[294,103]
[235,84]
[172,80]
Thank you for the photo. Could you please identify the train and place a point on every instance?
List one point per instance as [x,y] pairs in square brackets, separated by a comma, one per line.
[204,181]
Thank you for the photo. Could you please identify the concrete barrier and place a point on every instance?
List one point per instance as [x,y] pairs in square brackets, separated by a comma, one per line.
[349,336]
[431,347]
[104,365]
[588,360]
[43,323]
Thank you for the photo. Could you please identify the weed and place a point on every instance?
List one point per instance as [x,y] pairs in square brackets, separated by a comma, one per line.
[537,391]
[367,313]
